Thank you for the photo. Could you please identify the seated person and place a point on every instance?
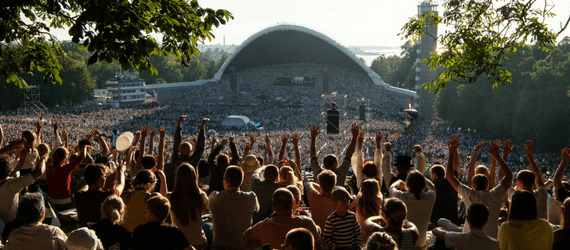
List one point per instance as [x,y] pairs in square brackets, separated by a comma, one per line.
[33,234]
[476,238]
[83,238]
[299,239]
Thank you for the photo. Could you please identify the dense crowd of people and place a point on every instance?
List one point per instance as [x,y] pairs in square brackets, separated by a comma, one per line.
[188,182]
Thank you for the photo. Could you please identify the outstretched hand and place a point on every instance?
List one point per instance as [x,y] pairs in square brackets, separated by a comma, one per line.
[225,141]
[231,139]
[565,155]
[360,139]
[529,147]
[95,133]
[480,145]
[162,131]
[315,131]
[252,139]
[493,149]
[378,139]
[203,123]
[453,144]
[267,140]
[144,131]
[284,139]
[295,139]
[508,148]
[354,129]
[55,126]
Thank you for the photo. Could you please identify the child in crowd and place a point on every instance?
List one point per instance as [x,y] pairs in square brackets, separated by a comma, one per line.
[342,230]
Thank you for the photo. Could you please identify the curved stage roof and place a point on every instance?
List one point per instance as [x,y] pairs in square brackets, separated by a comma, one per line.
[286,44]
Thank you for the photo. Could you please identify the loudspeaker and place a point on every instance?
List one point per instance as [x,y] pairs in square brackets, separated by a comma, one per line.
[333,117]
[362,109]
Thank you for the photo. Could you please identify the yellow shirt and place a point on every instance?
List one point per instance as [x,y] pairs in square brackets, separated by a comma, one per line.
[520,235]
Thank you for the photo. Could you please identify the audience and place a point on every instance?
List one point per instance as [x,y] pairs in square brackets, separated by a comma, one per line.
[341,228]
[319,196]
[264,189]
[112,234]
[393,222]
[137,197]
[83,238]
[299,239]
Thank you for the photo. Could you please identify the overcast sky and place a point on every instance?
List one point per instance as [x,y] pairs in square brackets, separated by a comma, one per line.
[356,22]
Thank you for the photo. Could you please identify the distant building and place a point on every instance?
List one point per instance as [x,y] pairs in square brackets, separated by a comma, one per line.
[427,44]
[126,88]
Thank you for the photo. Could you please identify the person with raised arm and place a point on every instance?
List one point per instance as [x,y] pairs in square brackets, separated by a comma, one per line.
[58,177]
[403,166]
[479,192]
[525,180]
[249,165]
[269,159]
[561,192]
[366,170]
[219,162]
[420,161]
[481,169]
[148,162]
[182,152]
[330,161]
[393,222]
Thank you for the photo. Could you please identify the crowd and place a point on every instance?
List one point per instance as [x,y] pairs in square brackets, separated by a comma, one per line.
[187,182]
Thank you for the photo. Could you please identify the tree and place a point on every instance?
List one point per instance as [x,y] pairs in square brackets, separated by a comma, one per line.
[483,32]
[111,30]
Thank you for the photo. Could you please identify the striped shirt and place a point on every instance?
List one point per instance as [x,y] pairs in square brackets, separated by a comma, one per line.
[342,232]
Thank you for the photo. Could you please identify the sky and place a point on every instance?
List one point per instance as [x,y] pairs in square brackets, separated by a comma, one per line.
[350,23]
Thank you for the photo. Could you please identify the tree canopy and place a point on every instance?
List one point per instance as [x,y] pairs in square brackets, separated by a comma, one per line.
[483,32]
[111,30]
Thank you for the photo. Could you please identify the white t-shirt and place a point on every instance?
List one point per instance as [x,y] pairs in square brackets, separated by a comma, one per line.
[9,196]
[492,199]
[541,195]
[473,240]
[419,211]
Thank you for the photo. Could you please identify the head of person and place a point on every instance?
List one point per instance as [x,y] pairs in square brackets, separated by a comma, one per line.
[30,137]
[525,179]
[296,196]
[59,156]
[342,199]
[283,201]
[417,149]
[185,149]
[287,175]
[222,159]
[31,209]
[250,163]
[416,182]
[403,164]
[144,180]
[523,206]
[203,169]
[271,173]
[185,180]
[148,162]
[83,239]
[330,162]
[299,239]
[43,149]
[437,172]
[481,169]
[186,197]
[369,170]
[381,241]
[477,215]
[157,209]
[84,142]
[565,208]
[260,160]
[368,198]
[233,177]
[394,211]
[4,167]
[327,181]
[113,208]
[480,182]
[95,174]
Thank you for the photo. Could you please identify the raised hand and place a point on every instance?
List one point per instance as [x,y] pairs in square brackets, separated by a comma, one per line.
[565,154]
[203,123]
[360,139]
[284,139]
[55,126]
[354,129]
[493,149]
[214,141]
[162,131]
[315,131]
[225,141]
[295,139]
[455,138]
[252,139]
[498,142]
[267,140]
[181,119]
[38,125]
[508,148]
[231,138]
[479,146]
[529,147]
[453,144]
[153,132]
[144,131]
[95,133]
[378,139]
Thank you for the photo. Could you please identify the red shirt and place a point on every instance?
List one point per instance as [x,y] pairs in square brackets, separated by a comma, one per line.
[59,177]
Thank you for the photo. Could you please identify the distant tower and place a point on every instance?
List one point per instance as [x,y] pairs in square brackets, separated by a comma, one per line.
[426,45]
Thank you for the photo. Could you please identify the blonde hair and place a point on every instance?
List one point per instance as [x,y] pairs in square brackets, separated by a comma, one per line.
[288,175]
[113,209]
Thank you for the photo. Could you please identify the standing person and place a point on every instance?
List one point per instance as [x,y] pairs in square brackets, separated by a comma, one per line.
[368,202]
[367,170]
[476,238]
[156,234]
[419,202]
[393,222]
[188,204]
[330,162]
[232,211]
[562,235]
[523,229]
[480,190]
[341,227]
[182,152]
[112,234]
[33,234]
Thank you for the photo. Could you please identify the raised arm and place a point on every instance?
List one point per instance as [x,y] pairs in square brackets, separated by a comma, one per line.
[358,160]
[252,141]
[160,159]
[507,180]
[354,129]
[1,136]
[452,145]
[560,171]
[283,147]
[138,164]
[104,147]
[473,161]
[233,149]
[17,144]
[314,133]
[507,149]
[65,139]
[56,142]
[493,173]
[420,159]
[177,138]
[387,163]
[378,154]
[200,144]
[528,148]
[39,131]
[295,142]
[213,144]
[269,159]
[21,160]
[151,142]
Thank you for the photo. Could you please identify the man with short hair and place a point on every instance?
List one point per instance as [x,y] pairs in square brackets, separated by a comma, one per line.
[156,234]
[182,152]
[232,211]
[299,239]
[88,203]
[264,190]
[445,205]
[476,238]
[319,196]
[480,190]
[274,229]
[33,234]
[330,161]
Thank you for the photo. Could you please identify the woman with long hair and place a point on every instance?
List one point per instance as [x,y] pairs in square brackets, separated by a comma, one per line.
[523,229]
[287,177]
[419,202]
[58,178]
[393,222]
[136,198]
[109,230]
[188,204]
[368,202]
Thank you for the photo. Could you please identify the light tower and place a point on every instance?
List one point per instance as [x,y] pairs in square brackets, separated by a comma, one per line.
[426,45]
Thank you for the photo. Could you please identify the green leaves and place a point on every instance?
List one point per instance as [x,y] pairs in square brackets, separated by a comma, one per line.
[483,31]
